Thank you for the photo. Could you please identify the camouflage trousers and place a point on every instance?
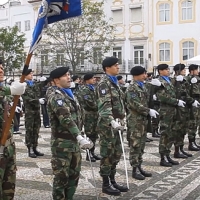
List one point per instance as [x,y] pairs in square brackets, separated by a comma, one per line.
[193,124]
[167,137]
[8,173]
[110,150]
[137,138]
[66,172]
[90,125]
[32,125]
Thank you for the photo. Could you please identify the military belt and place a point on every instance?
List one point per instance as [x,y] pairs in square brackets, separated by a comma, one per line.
[64,136]
[9,141]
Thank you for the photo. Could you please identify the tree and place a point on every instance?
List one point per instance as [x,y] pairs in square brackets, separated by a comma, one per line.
[87,37]
[12,48]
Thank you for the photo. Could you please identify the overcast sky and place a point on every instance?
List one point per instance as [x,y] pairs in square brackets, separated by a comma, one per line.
[3,1]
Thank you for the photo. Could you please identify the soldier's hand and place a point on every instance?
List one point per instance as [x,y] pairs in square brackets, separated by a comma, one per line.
[18,109]
[17,88]
[181,103]
[179,78]
[116,125]
[42,78]
[84,143]
[153,113]
[155,82]
[196,104]
[42,100]
[154,97]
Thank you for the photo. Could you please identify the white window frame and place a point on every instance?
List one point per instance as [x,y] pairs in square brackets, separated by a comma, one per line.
[18,24]
[27,24]
[138,49]
[120,19]
[164,50]
[164,12]
[117,52]
[188,49]
[131,16]
[186,9]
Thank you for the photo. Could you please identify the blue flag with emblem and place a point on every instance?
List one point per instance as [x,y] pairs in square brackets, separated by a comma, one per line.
[53,11]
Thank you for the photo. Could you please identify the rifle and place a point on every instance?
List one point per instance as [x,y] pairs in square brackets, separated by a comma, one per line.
[150,105]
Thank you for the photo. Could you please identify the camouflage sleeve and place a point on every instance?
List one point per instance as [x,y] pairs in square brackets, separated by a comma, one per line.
[4,91]
[104,102]
[62,111]
[88,100]
[164,96]
[134,102]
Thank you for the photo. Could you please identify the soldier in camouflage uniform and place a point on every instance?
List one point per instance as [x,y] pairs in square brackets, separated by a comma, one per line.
[32,101]
[8,158]
[165,92]
[194,91]
[65,118]
[136,98]
[110,101]
[183,115]
[87,98]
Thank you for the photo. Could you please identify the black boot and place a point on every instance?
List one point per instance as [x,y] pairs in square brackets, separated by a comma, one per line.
[37,153]
[144,173]
[108,188]
[164,161]
[178,153]
[95,156]
[136,174]
[173,162]
[185,153]
[31,153]
[192,146]
[155,134]
[121,188]
[198,146]
[91,157]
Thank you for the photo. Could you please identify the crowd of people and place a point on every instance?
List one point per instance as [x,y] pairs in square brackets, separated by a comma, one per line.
[79,115]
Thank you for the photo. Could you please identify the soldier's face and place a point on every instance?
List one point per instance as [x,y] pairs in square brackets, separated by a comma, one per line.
[64,81]
[91,81]
[196,72]
[113,70]
[1,73]
[29,76]
[183,72]
[165,72]
[140,77]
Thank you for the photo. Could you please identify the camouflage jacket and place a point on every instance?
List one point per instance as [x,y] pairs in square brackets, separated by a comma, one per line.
[87,99]
[136,101]
[32,95]
[64,114]
[110,100]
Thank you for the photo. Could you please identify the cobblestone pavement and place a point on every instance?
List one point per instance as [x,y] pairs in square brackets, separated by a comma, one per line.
[34,175]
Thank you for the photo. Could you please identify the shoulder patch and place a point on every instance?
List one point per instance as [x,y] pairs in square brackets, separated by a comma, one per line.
[60,102]
[133,95]
[86,97]
[103,89]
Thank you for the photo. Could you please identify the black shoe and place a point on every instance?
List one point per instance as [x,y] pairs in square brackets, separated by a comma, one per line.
[108,188]
[144,173]
[121,188]
[37,153]
[193,147]
[31,153]
[91,157]
[164,162]
[136,174]
[173,162]
[155,134]
[47,126]
[96,157]
[185,153]
[198,146]
[178,153]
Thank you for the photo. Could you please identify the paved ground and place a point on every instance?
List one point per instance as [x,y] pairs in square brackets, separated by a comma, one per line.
[34,176]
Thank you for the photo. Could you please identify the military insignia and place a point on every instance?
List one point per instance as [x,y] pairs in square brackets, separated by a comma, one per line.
[133,95]
[103,91]
[86,97]
[60,102]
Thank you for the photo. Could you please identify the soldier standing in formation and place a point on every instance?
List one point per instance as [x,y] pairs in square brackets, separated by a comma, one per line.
[136,98]
[87,98]
[110,101]
[32,101]
[8,158]
[66,123]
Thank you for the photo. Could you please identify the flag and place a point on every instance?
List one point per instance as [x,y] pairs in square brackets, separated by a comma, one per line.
[53,11]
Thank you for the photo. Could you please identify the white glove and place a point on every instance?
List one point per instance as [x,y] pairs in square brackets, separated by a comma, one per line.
[196,104]
[17,88]
[42,78]
[194,80]
[155,82]
[179,78]
[116,125]
[42,100]
[18,109]
[153,113]
[154,97]
[181,103]
[84,143]
[122,122]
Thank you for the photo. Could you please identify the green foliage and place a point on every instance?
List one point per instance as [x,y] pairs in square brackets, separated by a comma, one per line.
[12,48]
[79,38]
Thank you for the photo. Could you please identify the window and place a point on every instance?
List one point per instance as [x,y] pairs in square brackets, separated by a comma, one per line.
[117,52]
[186,7]
[44,58]
[97,56]
[138,55]
[164,12]
[164,52]
[27,25]
[60,58]
[188,50]
[117,16]
[136,14]
[18,24]
[81,56]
